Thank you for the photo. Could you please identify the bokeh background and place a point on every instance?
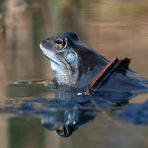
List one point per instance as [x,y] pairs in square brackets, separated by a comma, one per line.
[111,27]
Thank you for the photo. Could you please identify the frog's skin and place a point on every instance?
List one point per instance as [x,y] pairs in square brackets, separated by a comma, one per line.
[76,64]
[71,60]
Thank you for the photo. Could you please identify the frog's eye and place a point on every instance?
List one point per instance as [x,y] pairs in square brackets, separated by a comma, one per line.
[60,43]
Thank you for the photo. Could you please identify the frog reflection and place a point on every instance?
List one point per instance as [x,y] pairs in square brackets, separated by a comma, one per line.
[67,111]
[66,121]
[71,110]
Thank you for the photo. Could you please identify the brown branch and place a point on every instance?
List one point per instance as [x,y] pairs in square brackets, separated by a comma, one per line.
[113,66]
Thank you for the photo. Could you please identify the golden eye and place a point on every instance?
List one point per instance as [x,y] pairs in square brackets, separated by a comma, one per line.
[60,43]
[61,131]
[64,131]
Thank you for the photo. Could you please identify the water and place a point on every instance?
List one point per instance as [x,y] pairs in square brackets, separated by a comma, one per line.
[113,28]
[96,120]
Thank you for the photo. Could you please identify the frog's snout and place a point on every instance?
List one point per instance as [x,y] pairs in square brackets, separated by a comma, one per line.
[45,44]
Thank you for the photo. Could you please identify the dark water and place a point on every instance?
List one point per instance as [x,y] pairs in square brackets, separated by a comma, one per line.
[31,112]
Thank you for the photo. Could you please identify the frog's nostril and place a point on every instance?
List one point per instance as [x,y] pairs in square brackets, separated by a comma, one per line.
[46,44]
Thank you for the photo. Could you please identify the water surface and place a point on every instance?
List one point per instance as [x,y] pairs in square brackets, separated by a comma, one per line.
[110,27]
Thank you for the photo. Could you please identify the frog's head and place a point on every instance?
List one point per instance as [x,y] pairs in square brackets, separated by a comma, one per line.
[69,58]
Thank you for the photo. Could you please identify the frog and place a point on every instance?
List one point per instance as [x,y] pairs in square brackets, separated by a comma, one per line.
[75,64]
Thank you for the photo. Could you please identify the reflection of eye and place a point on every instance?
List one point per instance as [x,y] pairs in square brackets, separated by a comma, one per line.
[60,131]
[60,43]
[65,131]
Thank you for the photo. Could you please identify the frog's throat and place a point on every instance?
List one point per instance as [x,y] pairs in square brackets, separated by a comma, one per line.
[67,68]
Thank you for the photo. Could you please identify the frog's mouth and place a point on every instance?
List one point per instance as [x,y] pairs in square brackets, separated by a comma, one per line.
[50,55]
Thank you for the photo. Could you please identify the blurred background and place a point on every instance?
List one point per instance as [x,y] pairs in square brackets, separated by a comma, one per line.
[112,27]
